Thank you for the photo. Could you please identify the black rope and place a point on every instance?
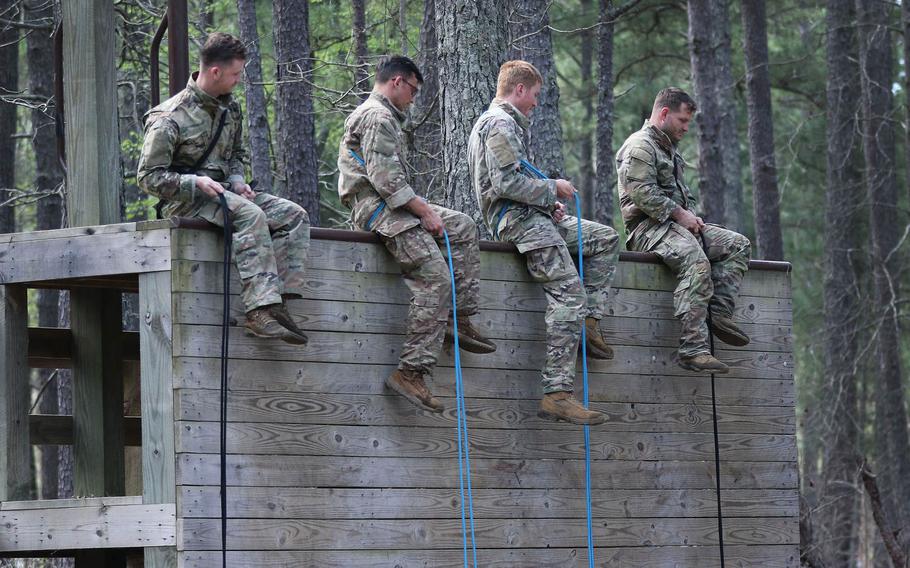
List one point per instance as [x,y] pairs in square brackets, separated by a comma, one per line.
[225,322]
[720,515]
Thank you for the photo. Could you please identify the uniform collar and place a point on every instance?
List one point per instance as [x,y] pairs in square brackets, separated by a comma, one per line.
[384,100]
[660,137]
[507,107]
[207,101]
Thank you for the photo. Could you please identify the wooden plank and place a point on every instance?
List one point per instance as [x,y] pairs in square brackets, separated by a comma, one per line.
[15,452]
[88,527]
[157,401]
[372,258]
[67,233]
[97,393]
[405,441]
[741,556]
[383,349]
[321,315]
[379,410]
[327,534]
[70,503]
[82,256]
[352,285]
[52,347]
[328,471]
[57,429]
[340,503]
[340,378]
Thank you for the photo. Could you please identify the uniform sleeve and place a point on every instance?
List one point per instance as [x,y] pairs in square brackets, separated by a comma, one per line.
[638,173]
[379,143]
[502,151]
[239,155]
[154,175]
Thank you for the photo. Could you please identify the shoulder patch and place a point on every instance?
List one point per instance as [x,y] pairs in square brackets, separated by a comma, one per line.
[502,149]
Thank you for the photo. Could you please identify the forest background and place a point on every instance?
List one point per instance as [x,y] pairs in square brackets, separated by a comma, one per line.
[801,143]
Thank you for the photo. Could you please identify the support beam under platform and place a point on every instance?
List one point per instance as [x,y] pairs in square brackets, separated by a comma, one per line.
[15,452]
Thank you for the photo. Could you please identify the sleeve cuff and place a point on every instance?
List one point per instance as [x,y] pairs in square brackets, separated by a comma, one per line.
[400,197]
[666,211]
[188,187]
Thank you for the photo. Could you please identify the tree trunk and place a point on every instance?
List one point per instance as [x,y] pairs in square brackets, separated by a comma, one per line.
[876,61]
[48,177]
[472,45]
[605,179]
[403,25]
[296,127]
[256,115]
[424,131]
[362,64]
[531,41]
[9,82]
[733,184]
[838,426]
[706,57]
[905,24]
[765,197]
[586,145]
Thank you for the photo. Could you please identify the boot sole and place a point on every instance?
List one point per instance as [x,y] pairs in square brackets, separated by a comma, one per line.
[698,369]
[289,337]
[730,338]
[413,399]
[471,345]
[543,414]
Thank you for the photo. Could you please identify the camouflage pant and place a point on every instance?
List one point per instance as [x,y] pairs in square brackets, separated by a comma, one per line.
[705,281]
[426,273]
[547,248]
[270,245]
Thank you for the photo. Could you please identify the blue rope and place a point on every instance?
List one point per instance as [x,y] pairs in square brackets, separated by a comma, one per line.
[532,171]
[464,463]
[381,203]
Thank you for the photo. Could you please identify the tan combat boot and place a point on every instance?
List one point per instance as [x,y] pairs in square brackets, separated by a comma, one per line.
[469,338]
[703,362]
[724,329]
[261,323]
[280,312]
[409,384]
[562,405]
[595,345]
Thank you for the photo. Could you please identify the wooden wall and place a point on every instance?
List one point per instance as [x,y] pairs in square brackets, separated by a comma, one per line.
[328,469]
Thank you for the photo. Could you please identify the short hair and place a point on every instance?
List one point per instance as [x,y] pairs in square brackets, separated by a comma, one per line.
[391,66]
[514,73]
[673,98]
[221,48]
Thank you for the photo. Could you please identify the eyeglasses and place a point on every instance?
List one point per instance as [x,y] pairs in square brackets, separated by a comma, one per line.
[414,88]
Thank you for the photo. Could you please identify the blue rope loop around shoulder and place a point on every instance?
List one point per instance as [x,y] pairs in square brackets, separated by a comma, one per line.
[533,172]
[461,429]
[381,206]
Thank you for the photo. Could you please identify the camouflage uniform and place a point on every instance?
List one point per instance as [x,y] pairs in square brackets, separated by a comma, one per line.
[651,186]
[495,148]
[271,235]
[374,132]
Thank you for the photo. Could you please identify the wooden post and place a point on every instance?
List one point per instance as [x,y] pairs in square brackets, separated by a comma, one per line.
[158,457]
[89,82]
[97,394]
[177,45]
[15,452]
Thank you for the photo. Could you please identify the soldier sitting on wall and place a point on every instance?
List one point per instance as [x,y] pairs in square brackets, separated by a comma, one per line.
[373,185]
[659,213]
[527,212]
[193,152]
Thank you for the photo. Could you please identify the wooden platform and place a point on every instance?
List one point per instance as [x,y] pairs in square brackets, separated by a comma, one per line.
[327,468]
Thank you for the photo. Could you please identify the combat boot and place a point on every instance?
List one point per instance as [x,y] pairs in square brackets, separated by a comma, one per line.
[724,329]
[562,405]
[703,362]
[261,323]
[280,312]
[595,345]
[409,384]
[469,338]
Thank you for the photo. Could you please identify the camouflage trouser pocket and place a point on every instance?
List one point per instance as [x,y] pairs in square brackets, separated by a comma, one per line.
[550,263]
[411,248]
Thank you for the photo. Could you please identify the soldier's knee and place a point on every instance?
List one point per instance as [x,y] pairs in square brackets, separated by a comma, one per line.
[606,237]
[300,215]
[699,274]
[744,246]
[460,225]
[248,214]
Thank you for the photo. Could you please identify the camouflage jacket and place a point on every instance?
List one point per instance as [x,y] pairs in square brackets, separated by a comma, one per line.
[178,131]
[374,132]
[651,185]
[495,148]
